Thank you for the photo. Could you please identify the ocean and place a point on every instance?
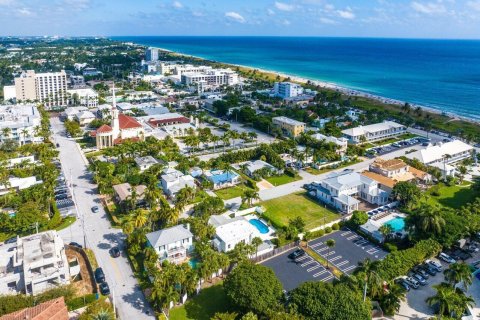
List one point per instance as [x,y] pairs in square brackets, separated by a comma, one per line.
[439,74]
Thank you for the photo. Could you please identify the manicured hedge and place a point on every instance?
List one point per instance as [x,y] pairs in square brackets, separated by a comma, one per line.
[79,302]
[398,263]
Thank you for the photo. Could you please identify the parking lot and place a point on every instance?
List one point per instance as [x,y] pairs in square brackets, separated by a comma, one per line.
[293,273]
[382,150]
[349,249]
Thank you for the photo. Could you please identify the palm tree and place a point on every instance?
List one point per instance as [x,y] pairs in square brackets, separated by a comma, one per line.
[139,218]
[450,301]
[393,298]
[249,195]
[372,279]
[459,272]
[6,132]
[429,220]
[386,230]
[256,242]
[307,235]
[102,315]
[330,244]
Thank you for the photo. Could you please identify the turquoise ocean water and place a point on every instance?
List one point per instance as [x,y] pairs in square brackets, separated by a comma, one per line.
[440,74]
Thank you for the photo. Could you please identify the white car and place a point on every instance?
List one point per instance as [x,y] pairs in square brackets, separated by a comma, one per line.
[445,257]
[435,264]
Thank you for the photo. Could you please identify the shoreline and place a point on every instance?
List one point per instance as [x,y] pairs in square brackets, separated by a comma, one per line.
[333,86]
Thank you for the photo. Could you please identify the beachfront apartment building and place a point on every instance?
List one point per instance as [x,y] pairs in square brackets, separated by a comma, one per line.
[374,132]
[286,90]
[210,78]
[36,263]
[172,244]
[85,97]
[342,190]
[151,54]
[20,123]
[449,152]
[48,88]
[342,143]
[289,127]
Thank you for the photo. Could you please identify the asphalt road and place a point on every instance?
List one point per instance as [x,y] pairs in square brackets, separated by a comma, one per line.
[94,230]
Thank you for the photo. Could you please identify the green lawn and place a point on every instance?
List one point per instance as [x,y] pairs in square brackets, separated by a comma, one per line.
[232,192]
[327,168]
[203,306]
[454,196]
[282,179]
[280,210]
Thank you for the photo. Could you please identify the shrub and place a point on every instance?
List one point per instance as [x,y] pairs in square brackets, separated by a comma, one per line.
[335,226]
[328,230]
[80,302]
[318,233]
[390,247]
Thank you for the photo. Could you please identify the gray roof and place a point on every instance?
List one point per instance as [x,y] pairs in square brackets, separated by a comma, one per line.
[148,160]
[169,235]
[346,179]
[348,200]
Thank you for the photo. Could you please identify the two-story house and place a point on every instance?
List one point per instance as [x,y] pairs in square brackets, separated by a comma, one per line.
[172,244]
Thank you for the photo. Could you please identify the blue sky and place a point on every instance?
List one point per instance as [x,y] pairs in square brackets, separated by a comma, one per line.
[360,18]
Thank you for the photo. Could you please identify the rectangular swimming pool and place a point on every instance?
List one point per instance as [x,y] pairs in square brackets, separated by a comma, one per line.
[397,224]
[262,227]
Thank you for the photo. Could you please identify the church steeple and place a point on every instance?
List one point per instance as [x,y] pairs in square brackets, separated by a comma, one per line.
[115,122]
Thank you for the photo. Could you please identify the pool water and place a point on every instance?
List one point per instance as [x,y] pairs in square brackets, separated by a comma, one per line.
[262,227]
[193,263]
[223,177]
[397,224]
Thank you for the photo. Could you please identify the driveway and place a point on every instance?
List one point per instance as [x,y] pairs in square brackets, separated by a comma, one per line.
[94,231]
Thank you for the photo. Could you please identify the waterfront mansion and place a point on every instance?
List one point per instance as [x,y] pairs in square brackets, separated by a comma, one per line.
[344,190]
[374,132]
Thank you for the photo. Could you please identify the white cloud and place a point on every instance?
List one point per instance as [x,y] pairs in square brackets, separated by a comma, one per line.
[235,16]
[327,21]
[24,12]
[346,14]
[77,4]
[270,12]
[429,8]
[475,5]
[329,7]
[177,4]
[286,22]
[284,6]
[197,14]
[5,2]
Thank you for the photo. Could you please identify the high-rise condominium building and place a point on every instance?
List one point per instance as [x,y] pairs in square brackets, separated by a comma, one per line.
[48,88]
[151,54]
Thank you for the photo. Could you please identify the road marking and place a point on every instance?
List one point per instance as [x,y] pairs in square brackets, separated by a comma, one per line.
[302,258]
[352,237]
[345,233]
[372,251]
[327,278]
[322,249]
[349,268]
[307,263]
[316,245]
[320,273]
[313,268]
[329,253]
[361,242]
[335,258]
[341,263]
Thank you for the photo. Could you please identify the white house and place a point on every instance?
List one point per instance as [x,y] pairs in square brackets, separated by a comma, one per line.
[374,132]
[19,184]
[343,189]
[146,162]
[251,167]
[173,181]
[172,244]
[222,179]
[342,143]
[22,122]
[231,231]
[449,152]
[33,264]
[84,117]
[85,97]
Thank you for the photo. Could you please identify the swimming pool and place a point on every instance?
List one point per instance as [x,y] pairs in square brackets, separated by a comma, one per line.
[397,224]
[262,227]
[219,177]
[193,263]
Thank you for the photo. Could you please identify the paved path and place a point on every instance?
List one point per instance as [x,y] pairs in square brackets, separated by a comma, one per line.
[98,233]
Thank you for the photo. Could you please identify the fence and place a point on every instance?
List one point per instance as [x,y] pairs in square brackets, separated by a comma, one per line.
[275,252]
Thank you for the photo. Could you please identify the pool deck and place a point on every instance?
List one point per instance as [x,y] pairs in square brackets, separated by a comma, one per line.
[265,236]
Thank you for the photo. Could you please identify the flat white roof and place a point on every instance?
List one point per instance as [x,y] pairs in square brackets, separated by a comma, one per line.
[436,153]
[371,128]
[236,231]
[289,121]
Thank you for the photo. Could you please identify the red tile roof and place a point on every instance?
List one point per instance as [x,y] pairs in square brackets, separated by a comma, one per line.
[127,122]
[104,128]
[50,310]
[155,122]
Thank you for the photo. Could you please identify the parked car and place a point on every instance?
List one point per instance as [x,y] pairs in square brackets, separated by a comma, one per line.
[296,254]
[58,146]
[403,283]
[115,252]
[445,257]
[421,272]
[61,196]
[10,240]
[61,191]
[419,278]
[76,245]
[104,289]
[435,265]
[412,282]
[429,269]
[99,275]
[95,209]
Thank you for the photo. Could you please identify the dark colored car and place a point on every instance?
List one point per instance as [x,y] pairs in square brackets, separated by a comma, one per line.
[421,272]
[61,196]
[76,245]
[61,191]
[58,146]
[115,252]
[404,285]
[11,240]
[296,254]
[104,289]
[94,209]
[99,275]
